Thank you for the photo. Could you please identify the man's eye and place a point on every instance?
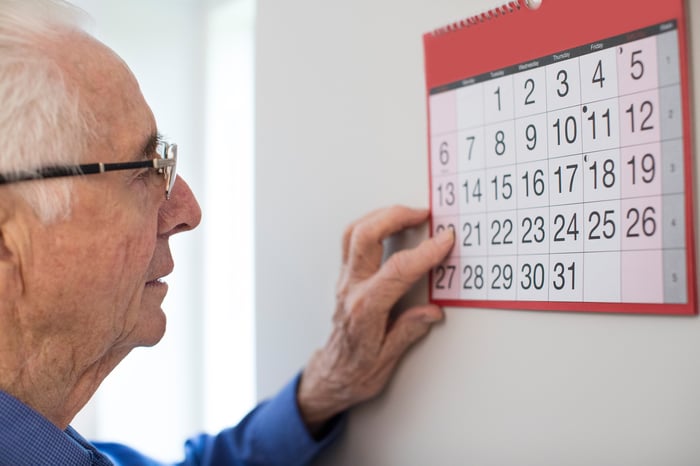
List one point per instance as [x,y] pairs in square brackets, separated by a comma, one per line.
[143,174]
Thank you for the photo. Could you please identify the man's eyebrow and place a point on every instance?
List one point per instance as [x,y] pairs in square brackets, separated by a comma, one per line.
[150,145]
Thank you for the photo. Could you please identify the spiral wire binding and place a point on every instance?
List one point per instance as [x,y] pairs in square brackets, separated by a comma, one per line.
[505,9]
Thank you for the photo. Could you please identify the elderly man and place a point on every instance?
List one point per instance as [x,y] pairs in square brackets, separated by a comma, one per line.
[88,201]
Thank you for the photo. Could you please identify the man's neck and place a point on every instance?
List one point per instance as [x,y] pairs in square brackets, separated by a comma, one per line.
[50,379]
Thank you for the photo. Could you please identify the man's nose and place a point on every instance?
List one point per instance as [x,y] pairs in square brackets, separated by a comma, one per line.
[181,212]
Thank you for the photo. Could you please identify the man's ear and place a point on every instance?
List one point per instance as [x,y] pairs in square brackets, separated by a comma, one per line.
[10,271]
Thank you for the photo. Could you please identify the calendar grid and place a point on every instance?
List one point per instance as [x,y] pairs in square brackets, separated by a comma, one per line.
[568,185]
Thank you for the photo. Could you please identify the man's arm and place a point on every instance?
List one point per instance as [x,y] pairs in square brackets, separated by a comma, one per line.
[366,344]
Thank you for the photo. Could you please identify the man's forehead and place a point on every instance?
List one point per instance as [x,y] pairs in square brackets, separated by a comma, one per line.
[96,70]
[107,87]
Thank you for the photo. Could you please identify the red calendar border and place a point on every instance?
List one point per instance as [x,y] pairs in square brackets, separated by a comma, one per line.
[516,34]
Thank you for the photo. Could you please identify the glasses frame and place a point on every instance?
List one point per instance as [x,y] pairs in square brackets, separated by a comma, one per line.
[166,164]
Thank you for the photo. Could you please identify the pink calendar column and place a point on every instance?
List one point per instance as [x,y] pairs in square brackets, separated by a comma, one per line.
[445,188]
[641,270]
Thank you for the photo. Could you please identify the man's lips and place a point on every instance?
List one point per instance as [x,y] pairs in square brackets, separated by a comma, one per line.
[158,281]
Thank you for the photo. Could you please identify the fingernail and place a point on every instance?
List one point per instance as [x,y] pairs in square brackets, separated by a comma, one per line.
[431,318]
[446,236]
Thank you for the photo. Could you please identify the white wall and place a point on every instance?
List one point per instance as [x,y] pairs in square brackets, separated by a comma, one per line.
[228,388]
[341,129]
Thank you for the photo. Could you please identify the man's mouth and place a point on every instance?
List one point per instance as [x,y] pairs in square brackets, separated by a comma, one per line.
[156,282]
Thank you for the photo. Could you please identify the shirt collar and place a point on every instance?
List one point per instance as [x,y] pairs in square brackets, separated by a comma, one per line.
[27,437]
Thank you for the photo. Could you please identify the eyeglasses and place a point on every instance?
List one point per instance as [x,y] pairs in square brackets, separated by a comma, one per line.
[166,165]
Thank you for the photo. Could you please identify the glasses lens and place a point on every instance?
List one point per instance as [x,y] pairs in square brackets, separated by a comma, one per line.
[168,152]
[170,171]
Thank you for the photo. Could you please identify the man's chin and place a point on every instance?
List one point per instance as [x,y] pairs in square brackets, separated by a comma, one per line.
[151,328]
[152,321]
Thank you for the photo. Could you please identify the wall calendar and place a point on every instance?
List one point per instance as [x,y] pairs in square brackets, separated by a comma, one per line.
[560,154]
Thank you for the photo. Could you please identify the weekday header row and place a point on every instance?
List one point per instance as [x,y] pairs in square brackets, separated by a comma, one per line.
[561,55]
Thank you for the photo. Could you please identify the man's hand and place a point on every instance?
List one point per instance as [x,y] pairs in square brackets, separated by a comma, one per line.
[365,344]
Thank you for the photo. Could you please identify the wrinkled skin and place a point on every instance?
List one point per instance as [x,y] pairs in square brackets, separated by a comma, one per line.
[365,344]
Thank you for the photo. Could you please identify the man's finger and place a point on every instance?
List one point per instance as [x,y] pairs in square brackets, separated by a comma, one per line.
[347,235]
[364,240]
[404,268]
[410,327]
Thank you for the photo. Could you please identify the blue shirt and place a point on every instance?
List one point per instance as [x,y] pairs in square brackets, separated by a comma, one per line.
[272,434]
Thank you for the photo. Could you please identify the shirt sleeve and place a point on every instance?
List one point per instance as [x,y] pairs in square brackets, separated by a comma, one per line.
[272,434]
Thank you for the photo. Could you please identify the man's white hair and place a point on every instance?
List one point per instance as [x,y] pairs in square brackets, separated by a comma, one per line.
[41,119]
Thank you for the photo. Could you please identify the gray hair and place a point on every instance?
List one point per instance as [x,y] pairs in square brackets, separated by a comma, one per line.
[41,119]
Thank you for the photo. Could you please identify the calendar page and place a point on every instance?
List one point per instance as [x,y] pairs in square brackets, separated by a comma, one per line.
[564,169]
